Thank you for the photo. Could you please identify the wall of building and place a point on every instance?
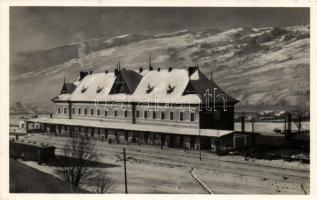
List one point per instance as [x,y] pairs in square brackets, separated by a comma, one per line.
[220,119]
[190,118]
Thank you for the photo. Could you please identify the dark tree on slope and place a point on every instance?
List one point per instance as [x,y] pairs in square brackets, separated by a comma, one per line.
[298,119]
[78,158]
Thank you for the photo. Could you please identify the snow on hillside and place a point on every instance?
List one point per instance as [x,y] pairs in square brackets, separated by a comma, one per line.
[265,68]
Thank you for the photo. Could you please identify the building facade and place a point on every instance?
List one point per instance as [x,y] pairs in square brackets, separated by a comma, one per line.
[167,107]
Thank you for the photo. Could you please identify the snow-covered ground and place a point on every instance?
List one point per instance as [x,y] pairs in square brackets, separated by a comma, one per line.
[152,170]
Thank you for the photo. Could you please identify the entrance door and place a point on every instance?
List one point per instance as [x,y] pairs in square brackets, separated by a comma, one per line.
[162,139]
[126,135]
[146,137]
[192,141]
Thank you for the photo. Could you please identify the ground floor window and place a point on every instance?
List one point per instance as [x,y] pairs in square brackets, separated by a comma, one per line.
[145,114]
[192,116]
[125,113]
[154,115]
[137,114]
[181,116]
[171,116]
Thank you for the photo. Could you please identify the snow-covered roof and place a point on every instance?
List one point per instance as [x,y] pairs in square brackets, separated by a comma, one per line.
[133,127]
[154,86]
[87,88]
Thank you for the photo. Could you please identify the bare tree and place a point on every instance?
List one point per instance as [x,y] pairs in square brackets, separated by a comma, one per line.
[78,160]
[298,119]
[102,184]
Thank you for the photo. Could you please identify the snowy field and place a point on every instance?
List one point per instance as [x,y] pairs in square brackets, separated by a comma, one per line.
[152,170]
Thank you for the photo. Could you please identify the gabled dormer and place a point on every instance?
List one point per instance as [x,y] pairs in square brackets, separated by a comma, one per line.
[189,89]
[68,88]
[126,82]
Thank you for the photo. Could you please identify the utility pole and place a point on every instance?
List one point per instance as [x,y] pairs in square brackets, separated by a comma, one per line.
[253,134]
[125,172]
[199,145]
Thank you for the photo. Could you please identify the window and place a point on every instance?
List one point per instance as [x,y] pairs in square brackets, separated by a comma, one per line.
[115,113]
[58,110]
[106,113]
[192,116]
[79,111]
[154,115]
[98,112]
[125,113]
[162,115]
[181,116]
[145,114]
[171,116]
[65,111]
[85,111]
[137,114]
[92,111]
[73,110]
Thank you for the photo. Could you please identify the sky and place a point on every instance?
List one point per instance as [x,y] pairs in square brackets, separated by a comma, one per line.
[37,28]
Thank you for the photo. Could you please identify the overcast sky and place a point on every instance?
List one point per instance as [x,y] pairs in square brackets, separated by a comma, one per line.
[33,28]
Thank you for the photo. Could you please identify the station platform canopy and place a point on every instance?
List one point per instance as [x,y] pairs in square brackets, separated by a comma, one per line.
[133,127]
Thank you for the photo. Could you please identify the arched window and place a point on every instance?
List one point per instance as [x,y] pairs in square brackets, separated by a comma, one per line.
[154,115]
[137,114]
[181,116]
[162,115]
[192,116]
[171,115]
[125,113]
[145,114]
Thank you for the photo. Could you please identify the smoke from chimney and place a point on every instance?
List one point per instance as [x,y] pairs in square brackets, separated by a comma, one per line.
[81,54]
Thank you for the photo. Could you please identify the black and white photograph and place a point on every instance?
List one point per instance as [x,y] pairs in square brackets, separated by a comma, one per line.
[159,100]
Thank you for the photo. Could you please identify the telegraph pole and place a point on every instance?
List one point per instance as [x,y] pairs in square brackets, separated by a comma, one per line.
[199,145]
[125,172]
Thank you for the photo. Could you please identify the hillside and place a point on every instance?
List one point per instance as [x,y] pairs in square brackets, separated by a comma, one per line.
[264,68]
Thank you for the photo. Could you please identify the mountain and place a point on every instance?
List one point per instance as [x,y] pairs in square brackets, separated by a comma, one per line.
[265,68]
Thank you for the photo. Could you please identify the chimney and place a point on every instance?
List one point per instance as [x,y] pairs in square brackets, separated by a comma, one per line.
[82,74]
[150,64]
[106,71]
[158,69]
[191,70]
[170,69]
[210,75]
[140,70]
